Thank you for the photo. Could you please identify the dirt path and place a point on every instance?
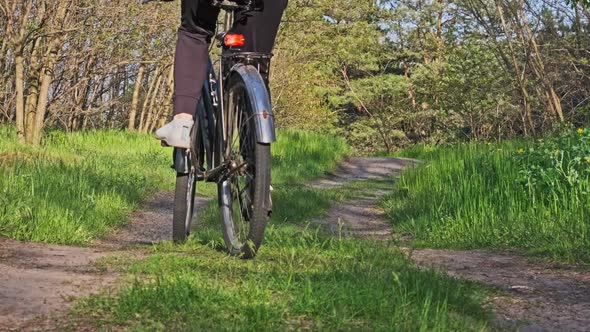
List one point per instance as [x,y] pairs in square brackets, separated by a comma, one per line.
[38,282]
[536,297]
[358,169]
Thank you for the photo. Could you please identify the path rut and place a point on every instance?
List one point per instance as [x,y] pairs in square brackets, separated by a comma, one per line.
[535,297]
[39,282]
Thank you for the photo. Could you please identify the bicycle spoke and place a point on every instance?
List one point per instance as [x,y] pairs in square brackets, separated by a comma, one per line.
[238,126]
[240,151]
[241,131]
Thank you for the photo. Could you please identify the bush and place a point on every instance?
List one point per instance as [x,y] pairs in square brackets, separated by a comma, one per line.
[558,167]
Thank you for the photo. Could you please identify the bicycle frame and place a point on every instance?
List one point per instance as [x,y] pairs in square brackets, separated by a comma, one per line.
[207,157]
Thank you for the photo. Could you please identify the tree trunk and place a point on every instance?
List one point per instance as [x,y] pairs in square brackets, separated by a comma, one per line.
[554,102]
[20,97]
[166,103]
[45,82]
[152,106]
[135,100]
[46,75]
[33,91]
[411,93]
[439,29]
[19,46]
[520,74]
[144,109]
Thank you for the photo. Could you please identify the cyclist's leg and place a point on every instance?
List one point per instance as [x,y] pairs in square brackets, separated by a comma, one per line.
[198,20]
[260,27]
[260,31]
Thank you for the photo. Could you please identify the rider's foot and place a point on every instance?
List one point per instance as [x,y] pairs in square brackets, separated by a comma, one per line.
[177,133]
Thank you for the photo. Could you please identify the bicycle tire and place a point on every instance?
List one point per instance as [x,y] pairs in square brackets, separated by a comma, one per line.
[184,203]
[238,241]
[185,192]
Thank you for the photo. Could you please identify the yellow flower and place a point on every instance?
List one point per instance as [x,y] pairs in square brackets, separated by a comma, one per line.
[580,131]
[520,151]
[587,160]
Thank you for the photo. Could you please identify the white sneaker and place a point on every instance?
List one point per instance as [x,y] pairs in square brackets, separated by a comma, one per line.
[177,133]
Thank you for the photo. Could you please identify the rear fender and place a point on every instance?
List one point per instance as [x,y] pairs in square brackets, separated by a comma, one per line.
[260,99]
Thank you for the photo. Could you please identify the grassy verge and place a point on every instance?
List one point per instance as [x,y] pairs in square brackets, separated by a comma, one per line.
[528,195]
[302,279]
[301,156]
[77,187]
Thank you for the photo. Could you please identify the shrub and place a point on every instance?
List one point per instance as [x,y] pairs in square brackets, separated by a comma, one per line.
[558,167]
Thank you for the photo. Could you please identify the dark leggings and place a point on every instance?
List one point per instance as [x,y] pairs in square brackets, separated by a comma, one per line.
[199,19]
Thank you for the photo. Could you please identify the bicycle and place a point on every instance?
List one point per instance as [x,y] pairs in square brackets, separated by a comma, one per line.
[231,143]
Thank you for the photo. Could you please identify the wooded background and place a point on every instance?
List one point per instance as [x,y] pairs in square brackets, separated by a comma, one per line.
[384,74]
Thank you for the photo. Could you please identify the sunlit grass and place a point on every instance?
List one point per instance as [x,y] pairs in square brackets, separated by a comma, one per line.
[301,279]
[300,155]
[472,196]
[77,187]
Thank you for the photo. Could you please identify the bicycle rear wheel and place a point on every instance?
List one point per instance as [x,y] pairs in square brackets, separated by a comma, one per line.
[244,198]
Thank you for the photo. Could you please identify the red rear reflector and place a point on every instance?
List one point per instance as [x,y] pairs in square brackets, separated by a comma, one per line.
[234,40]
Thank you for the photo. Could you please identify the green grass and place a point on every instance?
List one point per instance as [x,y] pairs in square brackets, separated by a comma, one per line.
[473,196]
[301,279]
[301,156]
[77,187]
